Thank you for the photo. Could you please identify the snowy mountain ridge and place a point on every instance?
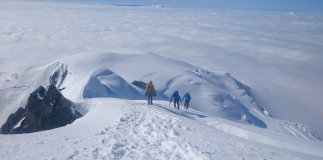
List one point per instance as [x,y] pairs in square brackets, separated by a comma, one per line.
[87,76]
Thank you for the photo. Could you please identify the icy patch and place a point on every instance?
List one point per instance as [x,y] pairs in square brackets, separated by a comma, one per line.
[197,72]
[73,110]
[266,112]
[59,74]
[39,97]
[19,123]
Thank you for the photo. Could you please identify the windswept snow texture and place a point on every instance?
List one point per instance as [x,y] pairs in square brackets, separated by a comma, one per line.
[123,129]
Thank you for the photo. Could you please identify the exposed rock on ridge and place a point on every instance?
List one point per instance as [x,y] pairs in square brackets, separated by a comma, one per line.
[45,109]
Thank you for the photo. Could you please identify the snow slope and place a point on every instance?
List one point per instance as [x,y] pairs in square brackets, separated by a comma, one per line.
[126,129]
[87,76]
[215,93]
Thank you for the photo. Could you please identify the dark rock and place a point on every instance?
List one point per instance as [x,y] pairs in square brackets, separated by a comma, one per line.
[11,121]
[45,109]
[139,84]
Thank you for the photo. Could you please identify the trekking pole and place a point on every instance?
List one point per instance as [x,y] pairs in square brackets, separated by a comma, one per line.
[169,103]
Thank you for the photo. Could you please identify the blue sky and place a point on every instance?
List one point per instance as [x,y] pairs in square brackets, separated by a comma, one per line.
[275,5]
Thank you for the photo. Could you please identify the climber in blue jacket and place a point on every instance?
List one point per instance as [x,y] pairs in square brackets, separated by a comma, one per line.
[186,98]
[177,98]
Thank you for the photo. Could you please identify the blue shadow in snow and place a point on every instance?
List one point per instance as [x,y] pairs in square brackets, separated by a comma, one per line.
[180,112]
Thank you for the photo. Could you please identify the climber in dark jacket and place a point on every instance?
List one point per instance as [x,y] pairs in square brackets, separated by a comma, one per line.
[177,98]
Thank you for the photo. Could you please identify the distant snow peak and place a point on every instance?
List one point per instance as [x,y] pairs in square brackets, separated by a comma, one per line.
[233,97]
[105,83]
[94,88]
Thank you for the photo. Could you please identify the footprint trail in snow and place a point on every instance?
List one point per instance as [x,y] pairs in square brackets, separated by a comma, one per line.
[147,134]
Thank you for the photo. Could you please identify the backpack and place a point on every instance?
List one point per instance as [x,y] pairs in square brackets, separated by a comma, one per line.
[188,97]
[176,95]
[149,88]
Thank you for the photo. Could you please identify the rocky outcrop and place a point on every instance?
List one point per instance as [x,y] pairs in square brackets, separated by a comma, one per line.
[11,121]
[45,109]
[139,84]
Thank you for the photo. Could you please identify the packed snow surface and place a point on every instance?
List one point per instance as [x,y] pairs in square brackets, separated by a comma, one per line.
[125,129]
